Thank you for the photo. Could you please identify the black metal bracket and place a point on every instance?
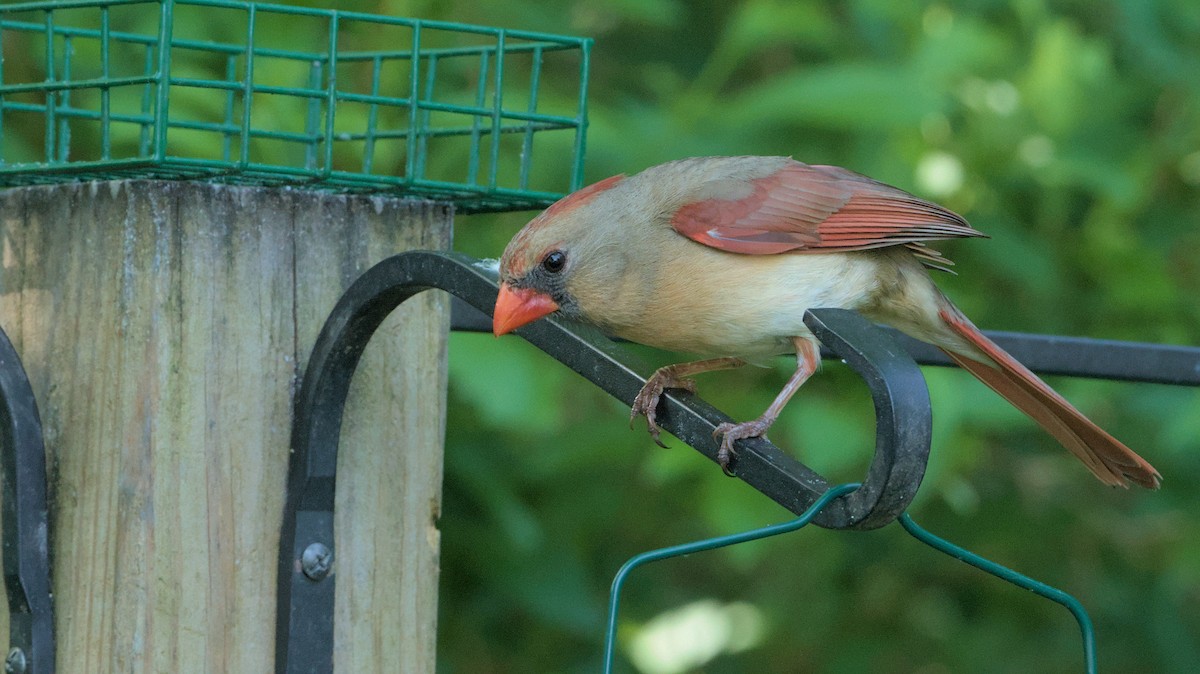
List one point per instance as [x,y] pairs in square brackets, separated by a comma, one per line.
[25,521]
[304,623]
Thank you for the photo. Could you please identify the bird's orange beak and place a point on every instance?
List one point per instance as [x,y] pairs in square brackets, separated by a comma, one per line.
[516,307]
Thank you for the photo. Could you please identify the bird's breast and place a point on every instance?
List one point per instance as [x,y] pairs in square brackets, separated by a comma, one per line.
[718,303]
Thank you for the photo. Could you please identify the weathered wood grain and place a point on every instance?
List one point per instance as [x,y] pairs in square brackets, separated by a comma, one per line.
[164,327]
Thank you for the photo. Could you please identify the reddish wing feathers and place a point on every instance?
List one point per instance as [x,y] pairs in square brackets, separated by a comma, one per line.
[817,208]
[1108,458]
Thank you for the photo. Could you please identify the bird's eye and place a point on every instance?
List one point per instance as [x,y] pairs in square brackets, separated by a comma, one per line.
[554,261]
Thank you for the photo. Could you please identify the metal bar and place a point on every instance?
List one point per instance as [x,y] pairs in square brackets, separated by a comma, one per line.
[903,415]
[67,4]
[372,117]
[140,38]
[144,135]
[106,91]
[150,40]
[386,20]
[64,125]
[1044,354]
[566,41]
[497,110]
[480,96]
[248,87]
[312,119]
[26,522]
[1020,580]
[445,52]
[50,77]
[582,120]
[535,75]
[162,105]
[50,87]
[79,113]
[301,93]
[414,79]
[614,596]
[422,149]
[331,98]
[3,105]
[230,105]
[1085,357]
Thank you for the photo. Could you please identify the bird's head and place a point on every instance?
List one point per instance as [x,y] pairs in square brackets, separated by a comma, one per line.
[547,259]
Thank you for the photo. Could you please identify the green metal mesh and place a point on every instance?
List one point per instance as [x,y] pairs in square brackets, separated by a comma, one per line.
[276,95]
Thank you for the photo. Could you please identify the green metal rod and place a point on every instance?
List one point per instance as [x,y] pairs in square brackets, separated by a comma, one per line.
[582,120]
[372,117]
[182,43]
[163,99]
[76,84]
[48,5]
[414,80]
[230,102]
[331,76]
[700,546]
[66,4]
[2,102]
[497,111]
[476,134]
[535,75]
[50,77]
[443,52]
[106,91]
[248,90]
[64,98]
[1018,579]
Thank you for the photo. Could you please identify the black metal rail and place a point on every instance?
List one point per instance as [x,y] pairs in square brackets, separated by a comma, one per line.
[1044,354]
[306,589]
[25,521]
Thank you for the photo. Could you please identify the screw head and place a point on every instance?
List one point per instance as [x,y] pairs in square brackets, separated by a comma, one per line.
[15,662]
[316,561]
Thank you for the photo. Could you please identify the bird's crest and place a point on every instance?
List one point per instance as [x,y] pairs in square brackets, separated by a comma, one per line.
[578,198]
[515,254]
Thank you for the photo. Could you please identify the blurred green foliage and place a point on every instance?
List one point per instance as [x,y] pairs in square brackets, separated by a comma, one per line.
[1069,131]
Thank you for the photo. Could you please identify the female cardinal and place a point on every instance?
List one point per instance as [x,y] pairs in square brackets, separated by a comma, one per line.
[723,255]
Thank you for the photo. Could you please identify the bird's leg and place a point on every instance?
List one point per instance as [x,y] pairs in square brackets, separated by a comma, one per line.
[807,359]
[673,376]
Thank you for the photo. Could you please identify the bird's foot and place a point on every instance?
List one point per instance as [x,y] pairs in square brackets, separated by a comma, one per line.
[731,433]
[646,402]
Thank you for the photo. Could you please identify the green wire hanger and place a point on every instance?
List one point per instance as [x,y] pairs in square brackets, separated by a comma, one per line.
[930,539]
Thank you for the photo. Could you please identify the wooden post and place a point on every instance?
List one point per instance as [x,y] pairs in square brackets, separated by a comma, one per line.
[165,327]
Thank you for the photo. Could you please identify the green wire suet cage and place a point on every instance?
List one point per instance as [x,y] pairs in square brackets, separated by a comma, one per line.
[276,95]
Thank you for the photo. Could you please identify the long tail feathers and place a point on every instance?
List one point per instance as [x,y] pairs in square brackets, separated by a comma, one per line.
[1108,458]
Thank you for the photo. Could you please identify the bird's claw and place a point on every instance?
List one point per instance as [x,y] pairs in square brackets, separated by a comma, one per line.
[646,402]
[731,433]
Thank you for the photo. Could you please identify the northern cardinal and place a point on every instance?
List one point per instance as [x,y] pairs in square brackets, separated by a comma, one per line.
[723,255]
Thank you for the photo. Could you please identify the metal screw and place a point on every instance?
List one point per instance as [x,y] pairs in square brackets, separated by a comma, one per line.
[15,662]
[316,561]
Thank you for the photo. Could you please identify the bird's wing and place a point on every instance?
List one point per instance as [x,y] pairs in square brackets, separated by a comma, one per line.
[804,208]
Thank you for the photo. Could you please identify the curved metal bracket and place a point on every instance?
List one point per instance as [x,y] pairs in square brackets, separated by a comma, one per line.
[304,636]
[26,521]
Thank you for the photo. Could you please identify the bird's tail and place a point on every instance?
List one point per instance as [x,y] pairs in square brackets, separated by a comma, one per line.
[1108,458]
